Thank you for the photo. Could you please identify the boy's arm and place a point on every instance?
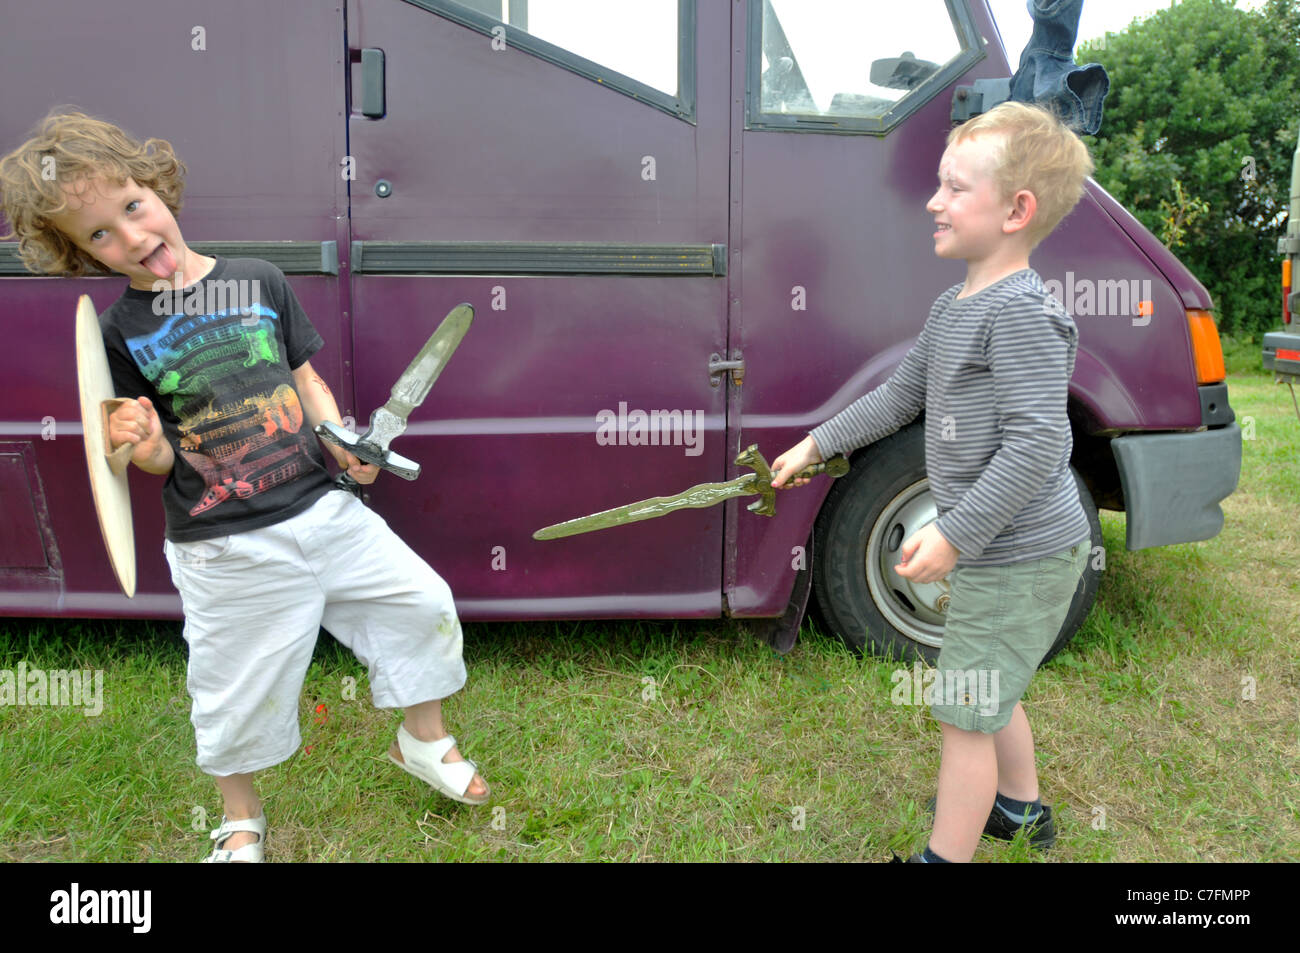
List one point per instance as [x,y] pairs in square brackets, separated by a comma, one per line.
[875,414]
[300,342]
[1027,354]
[881,411]
[318,405]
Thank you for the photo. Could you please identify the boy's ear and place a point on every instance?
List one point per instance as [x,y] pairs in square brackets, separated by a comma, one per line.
[1024,204]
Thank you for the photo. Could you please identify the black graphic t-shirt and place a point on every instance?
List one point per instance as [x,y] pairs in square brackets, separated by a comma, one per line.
[215,360]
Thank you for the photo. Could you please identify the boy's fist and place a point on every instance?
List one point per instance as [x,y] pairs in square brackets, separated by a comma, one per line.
[136,422]
[361,472]
[927,555]
[799,457]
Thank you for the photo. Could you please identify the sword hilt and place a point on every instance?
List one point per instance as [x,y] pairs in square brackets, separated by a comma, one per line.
[345,482]
[765,505]
[367,452]
[836,466]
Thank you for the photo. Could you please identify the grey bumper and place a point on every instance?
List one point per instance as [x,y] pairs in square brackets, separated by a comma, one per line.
[1173,483]
[1288,344]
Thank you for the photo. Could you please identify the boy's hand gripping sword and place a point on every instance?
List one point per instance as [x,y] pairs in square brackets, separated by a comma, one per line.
[389,421]
[699,496]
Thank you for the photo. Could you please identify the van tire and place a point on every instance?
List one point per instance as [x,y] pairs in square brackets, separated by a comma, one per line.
[868,513]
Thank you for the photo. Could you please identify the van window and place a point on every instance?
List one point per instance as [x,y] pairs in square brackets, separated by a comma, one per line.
[642,41]
[862,65]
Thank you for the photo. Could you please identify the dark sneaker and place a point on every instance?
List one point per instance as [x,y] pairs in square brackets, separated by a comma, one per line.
[914,859]
[1042,832]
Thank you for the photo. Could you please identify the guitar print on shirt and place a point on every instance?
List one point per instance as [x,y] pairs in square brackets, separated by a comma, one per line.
[240,425]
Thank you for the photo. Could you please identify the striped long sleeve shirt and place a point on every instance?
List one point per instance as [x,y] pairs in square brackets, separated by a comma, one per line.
[991,372]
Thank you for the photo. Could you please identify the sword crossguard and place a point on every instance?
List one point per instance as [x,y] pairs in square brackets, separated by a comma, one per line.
[765,505]
[367,452]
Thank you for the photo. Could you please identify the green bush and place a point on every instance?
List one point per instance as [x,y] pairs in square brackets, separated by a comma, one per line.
[1197,141]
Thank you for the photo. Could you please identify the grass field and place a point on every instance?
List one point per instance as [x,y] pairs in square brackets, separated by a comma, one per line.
[1168,730]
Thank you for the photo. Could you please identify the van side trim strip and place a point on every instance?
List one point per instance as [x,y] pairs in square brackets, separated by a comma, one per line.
[459,258]
[293,258]
[538,258]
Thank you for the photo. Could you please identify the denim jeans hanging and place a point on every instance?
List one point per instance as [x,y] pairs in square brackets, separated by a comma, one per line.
[1047,74]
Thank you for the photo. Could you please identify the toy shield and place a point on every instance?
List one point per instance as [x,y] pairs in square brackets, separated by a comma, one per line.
[108,483]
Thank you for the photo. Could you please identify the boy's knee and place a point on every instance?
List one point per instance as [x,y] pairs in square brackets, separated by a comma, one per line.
[435,594]
[960,734]
[437,606]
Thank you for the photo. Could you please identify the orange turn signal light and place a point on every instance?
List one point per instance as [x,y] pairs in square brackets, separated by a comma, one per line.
[1206,349]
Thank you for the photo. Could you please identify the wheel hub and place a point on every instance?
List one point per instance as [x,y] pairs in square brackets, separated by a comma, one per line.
[915,609]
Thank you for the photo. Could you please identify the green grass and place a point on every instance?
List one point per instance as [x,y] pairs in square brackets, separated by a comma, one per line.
[1146,745]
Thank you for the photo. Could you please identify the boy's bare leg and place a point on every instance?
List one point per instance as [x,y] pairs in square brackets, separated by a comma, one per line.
[241,803]
[968,781]
[424,721]
[1017,773]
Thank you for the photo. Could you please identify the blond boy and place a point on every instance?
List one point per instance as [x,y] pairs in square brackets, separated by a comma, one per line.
[994,360]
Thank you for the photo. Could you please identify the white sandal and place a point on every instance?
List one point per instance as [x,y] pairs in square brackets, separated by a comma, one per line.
[249,853]
[424,760]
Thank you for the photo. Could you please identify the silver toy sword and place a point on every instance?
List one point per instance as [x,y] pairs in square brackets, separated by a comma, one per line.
[389,421]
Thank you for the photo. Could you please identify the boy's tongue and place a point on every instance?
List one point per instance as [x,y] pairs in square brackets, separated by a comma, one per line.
[161,264]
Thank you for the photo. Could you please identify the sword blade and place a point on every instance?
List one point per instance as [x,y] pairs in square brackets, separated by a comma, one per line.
[389,421]
[413,386]
[697,497]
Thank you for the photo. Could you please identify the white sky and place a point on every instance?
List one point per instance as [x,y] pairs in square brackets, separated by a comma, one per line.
[1098,17]
[639,37]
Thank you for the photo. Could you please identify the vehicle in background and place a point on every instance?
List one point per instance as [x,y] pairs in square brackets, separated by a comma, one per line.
[684,229]
[1282,348]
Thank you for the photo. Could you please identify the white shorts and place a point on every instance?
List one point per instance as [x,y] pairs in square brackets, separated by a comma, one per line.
[254,604]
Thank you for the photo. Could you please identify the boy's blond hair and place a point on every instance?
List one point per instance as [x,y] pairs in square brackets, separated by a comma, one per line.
[66,151]
[1036,152]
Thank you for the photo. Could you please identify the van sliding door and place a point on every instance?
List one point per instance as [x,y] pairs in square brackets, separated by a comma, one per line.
[561,166]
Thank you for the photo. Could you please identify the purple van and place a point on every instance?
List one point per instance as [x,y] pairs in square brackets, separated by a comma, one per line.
[685,228]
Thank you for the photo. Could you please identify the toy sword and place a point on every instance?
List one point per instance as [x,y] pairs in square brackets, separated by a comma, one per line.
[389,421]
[699,496]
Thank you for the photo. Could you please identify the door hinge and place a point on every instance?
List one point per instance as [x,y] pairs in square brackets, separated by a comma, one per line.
[718,367]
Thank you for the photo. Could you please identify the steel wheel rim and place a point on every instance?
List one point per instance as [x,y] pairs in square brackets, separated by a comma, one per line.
[902,516]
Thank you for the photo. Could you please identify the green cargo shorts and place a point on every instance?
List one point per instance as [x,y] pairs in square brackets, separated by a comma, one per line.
[1001,622]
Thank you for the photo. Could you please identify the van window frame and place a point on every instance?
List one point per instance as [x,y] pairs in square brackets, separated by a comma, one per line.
[683,105]
[973,50]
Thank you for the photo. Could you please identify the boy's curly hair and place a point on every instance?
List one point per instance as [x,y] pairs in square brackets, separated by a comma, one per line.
[65,150]
[1039,153]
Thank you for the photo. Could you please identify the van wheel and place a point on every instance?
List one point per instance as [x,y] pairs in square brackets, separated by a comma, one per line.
[860,531]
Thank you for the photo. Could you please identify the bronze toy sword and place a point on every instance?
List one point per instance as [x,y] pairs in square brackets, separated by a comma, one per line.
[697,497]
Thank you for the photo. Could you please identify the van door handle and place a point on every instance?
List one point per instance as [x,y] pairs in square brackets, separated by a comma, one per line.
[718,367]
[372,83]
